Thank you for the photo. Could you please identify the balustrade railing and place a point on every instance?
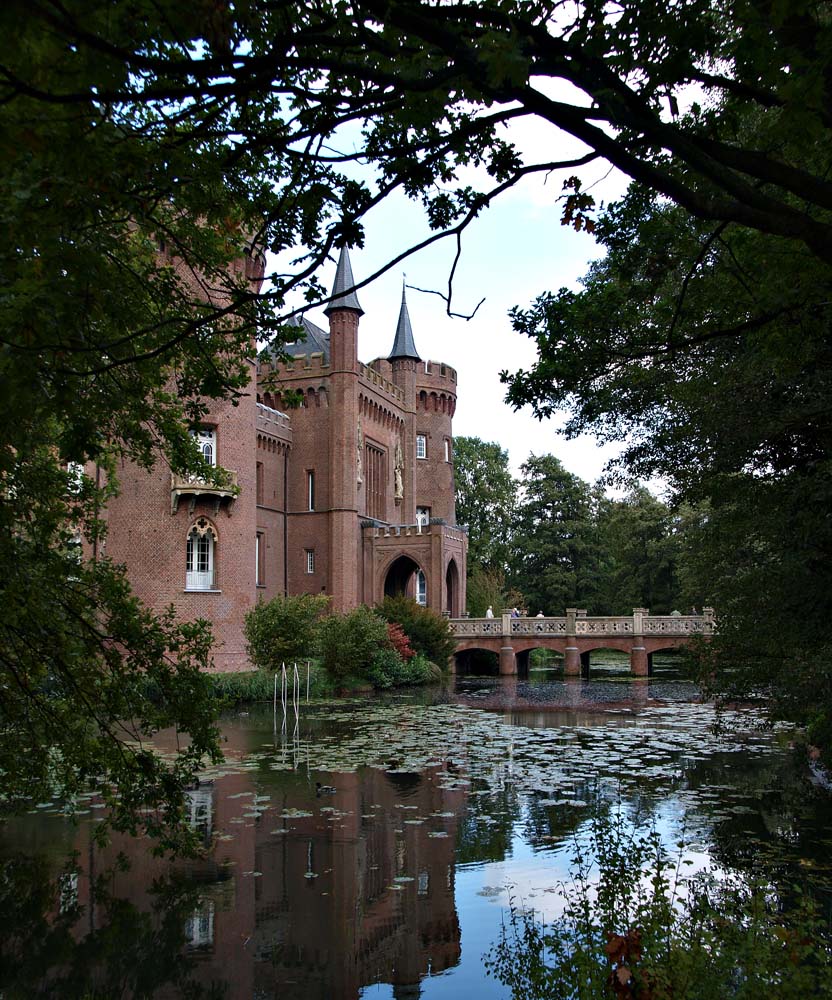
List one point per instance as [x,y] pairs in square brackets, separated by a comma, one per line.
[639,623]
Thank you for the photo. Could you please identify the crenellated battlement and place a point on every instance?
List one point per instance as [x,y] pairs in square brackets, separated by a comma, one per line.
[274,422]
[374,378]
[299,364]
[436,375]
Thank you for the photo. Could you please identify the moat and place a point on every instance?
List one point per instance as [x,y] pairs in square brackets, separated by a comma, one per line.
[373,849]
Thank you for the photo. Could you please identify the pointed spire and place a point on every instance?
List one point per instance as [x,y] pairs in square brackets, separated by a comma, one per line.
[343,298]
[403,345]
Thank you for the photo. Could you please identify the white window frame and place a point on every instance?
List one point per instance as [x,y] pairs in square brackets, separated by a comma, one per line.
[310,489]
[310,561]
[422,517]
[447,449]
[421,446]
[206,441]
[421,588]
[199,560]
[199,927]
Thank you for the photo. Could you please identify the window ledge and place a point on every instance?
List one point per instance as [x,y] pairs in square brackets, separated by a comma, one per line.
[199,590]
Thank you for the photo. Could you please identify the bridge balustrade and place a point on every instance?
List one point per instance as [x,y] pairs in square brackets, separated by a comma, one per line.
[576,634]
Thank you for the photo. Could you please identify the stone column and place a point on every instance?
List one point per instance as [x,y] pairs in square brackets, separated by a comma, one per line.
[572,658]
[639,661]
[508,661]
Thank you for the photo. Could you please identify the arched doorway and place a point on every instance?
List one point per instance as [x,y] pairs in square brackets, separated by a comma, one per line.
[401,578]
[452,590]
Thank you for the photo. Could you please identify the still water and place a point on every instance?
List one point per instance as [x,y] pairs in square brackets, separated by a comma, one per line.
[373,848]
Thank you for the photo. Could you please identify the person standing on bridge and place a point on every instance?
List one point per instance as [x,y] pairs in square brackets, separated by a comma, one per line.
[540,615]
[489,613]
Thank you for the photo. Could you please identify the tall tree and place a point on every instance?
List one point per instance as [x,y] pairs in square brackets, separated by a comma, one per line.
[486,494]
[555,549]
[640,545]
[707,350]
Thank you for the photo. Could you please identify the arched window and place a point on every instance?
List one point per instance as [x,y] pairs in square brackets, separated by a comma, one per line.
[206,441]
[421,588]
[199,559]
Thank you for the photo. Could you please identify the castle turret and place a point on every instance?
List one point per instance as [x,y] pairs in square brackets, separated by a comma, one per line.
[344,313]
[403,360]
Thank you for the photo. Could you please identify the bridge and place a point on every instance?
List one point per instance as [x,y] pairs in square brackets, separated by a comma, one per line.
[576,635]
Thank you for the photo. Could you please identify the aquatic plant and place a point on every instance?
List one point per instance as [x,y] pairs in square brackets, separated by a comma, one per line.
[634,927]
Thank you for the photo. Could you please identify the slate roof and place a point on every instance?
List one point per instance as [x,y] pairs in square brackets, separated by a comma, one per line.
[403,345]
[344,280]
[312,339]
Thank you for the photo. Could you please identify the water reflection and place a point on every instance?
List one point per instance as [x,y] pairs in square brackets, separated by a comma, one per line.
[314,885]
[380,844]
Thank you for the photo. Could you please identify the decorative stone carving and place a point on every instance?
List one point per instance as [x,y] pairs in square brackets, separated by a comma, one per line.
[359,456]
[398,474]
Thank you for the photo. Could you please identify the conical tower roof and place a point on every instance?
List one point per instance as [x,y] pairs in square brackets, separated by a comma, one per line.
[343,298]
[403,345]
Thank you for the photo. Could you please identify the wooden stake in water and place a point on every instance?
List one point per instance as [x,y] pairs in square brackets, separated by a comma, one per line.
[283,688]
[296,691]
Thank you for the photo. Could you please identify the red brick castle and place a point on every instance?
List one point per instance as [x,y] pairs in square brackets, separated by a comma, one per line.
[350,494]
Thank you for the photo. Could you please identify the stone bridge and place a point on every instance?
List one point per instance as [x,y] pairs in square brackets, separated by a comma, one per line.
[576,635]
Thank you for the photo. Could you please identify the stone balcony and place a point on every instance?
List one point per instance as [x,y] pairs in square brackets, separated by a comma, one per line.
[193,488]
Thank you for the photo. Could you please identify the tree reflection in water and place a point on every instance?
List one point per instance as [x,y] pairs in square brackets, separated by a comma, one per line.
[54,945]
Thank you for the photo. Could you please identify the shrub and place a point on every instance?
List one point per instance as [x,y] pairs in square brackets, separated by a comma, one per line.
[283,630]
[427,631]
[386,669]
[348,643]
[420,670]
[399,641]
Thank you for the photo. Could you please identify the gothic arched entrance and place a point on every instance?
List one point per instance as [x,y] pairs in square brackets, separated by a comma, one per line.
[403,578]
[452,589]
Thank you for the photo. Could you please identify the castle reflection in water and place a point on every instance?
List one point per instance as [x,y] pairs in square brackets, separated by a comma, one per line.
[313,885]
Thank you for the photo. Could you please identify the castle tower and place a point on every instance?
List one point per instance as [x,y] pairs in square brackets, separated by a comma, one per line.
[403,360]
[344,313]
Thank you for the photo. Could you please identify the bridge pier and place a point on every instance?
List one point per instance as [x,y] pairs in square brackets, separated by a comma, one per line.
[508,661]
[572,661]
[639,661]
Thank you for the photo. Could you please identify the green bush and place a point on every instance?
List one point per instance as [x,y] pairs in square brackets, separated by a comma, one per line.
[387,669]
[420,670]
[349,643]
[283,630]
[428,631]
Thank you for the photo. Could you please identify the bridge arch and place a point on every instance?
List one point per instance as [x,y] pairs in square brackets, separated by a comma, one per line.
[524,655]
[475,659]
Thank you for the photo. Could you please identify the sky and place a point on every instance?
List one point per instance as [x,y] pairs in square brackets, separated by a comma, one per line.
[516,250]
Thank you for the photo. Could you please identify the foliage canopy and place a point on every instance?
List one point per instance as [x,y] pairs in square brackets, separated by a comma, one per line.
[146,147]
